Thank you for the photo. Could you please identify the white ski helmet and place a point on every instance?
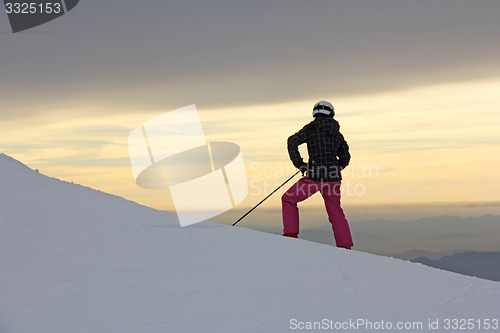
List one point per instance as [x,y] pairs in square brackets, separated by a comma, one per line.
[323,107]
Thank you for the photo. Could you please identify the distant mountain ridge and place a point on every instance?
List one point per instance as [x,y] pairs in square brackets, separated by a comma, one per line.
[485,265]
[414,254]
[440,233]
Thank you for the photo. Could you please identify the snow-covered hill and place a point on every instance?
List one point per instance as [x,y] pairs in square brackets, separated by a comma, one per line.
[73,259]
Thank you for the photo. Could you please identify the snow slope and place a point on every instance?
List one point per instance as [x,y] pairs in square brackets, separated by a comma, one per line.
[73,259]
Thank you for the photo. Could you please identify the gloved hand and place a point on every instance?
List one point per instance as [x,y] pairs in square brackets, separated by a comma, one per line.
[303,168]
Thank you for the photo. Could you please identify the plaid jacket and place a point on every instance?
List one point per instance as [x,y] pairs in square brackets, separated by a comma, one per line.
[327,148]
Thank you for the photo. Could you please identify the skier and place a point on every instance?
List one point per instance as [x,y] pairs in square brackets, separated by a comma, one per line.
[328,155]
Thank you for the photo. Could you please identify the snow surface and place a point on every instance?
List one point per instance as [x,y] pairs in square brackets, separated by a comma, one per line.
[73,259]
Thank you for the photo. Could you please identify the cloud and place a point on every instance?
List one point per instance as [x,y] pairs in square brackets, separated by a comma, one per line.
[126,55]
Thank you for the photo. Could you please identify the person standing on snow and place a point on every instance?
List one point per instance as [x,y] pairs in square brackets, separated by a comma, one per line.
[328,155]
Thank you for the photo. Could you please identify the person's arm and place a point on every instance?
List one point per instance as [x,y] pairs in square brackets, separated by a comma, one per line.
[293,144]
[343,153]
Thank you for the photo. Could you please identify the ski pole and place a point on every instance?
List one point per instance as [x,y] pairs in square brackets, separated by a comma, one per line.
[257,205]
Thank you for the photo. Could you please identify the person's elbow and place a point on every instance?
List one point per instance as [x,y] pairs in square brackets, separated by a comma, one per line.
[292,142]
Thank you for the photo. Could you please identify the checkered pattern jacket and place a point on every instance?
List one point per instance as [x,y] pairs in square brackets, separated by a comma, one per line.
[327,148]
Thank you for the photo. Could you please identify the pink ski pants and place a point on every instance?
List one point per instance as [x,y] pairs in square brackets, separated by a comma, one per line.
[330,191]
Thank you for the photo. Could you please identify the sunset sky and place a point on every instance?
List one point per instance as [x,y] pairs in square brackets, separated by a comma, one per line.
[415,84]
